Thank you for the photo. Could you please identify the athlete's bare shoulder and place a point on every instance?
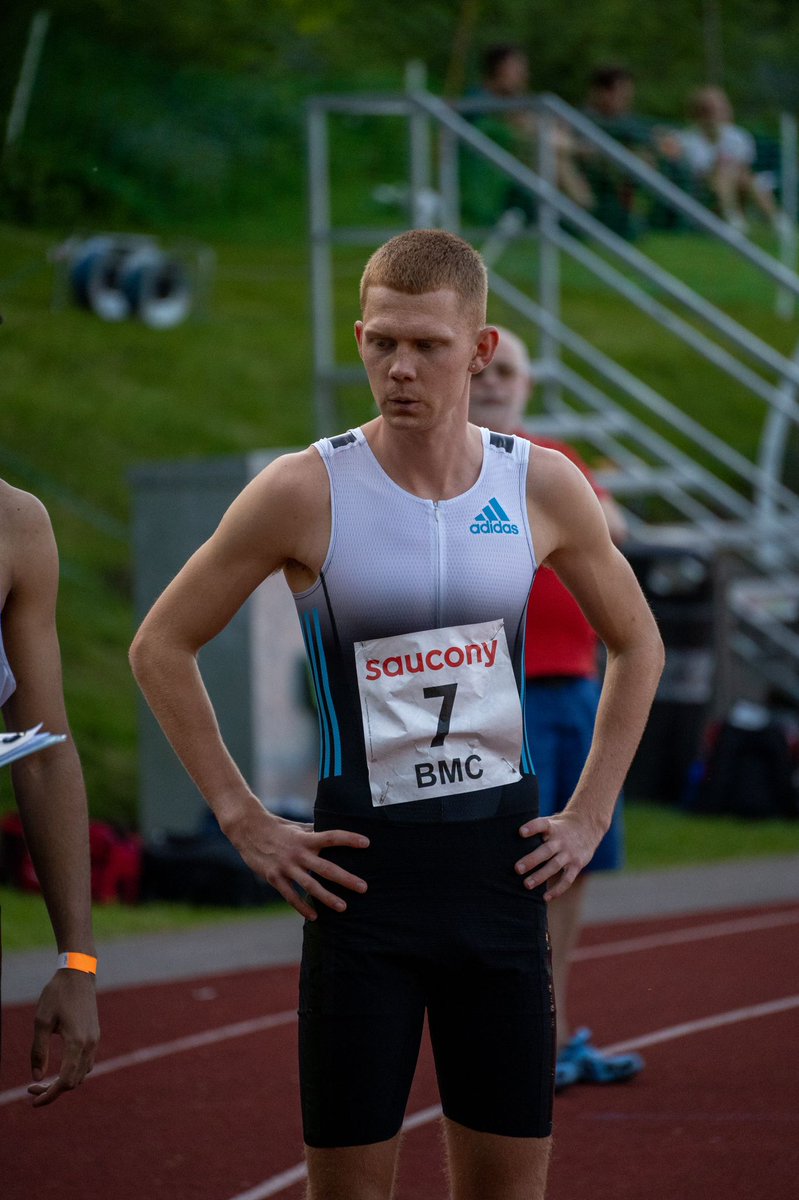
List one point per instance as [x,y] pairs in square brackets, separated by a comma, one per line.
[283,515]
[28,553]
[549,473]
[26,536]
[294,487]
[562,505]
[20,512]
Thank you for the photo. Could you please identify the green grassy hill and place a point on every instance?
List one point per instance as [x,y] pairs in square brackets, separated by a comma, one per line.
[83,401]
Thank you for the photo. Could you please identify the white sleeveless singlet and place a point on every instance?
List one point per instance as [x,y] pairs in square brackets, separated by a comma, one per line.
[414,633]
[7,681]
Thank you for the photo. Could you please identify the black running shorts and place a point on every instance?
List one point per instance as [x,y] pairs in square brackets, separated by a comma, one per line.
[448,929]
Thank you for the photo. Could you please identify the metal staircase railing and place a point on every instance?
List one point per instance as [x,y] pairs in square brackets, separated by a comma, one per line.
[700,483]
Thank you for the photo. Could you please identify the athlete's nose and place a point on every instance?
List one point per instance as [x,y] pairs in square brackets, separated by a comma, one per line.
[402,367]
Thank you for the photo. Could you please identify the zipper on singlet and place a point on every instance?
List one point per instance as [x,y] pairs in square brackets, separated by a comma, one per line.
[437,592]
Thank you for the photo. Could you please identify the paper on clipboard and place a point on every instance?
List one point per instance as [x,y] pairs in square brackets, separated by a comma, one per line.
[14,746]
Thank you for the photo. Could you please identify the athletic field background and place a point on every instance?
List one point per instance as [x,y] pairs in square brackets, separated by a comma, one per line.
[83,402]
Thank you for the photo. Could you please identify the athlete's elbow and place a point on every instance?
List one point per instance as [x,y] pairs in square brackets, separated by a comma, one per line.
[138,655]
[652,652]
[146,655]
[642,651]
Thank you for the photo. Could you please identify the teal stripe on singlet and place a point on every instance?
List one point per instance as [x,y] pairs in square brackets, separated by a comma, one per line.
[329,735]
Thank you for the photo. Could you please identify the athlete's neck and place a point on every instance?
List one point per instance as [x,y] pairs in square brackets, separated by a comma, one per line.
[434,464]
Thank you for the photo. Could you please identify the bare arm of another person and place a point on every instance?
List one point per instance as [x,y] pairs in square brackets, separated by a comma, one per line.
[49,791]
[281,521]
[572,537]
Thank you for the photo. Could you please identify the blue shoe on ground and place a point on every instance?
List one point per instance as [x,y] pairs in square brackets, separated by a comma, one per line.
[581,1062]
[566,1073]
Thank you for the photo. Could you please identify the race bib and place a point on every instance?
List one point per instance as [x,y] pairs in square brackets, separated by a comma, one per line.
[441,712]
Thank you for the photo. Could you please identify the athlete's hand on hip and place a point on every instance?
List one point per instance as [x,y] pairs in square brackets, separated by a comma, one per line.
[568,842]
[287,854]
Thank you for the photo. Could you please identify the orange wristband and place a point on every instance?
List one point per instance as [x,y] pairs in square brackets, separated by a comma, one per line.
[78,962]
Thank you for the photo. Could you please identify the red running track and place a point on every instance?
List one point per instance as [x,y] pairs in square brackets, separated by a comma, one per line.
[195,1094]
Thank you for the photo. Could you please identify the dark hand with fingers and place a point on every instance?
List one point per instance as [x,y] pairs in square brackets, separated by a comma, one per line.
[567,844]
[67,1009]
[288,855]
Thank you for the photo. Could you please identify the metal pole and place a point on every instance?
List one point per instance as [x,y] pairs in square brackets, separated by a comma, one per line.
[789,191]
[771,460]
[548,261]
[27,77]
[423,200]
[321,272]
[449,180]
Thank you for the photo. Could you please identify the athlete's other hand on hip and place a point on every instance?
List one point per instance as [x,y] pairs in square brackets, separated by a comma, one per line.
[568,842]
[287,854]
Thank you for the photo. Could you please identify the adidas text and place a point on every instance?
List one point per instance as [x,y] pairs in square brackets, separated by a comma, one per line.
[493,527]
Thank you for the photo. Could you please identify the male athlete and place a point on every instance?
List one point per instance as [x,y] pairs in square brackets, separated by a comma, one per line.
[410,545]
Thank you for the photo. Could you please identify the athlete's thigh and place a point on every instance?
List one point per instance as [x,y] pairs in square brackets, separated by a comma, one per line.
[492,1022]
[486,1166]
[360,1028]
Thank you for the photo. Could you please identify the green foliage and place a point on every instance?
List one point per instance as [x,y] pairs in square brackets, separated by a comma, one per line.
[79,392]
[154,112]
[119,136]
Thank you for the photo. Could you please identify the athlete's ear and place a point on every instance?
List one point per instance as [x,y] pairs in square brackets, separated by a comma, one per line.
[359,336]
[485,348]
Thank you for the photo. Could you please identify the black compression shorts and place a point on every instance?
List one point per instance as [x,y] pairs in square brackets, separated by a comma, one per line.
[446,928]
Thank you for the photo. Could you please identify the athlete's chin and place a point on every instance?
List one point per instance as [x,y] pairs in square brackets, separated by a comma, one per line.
[405,414]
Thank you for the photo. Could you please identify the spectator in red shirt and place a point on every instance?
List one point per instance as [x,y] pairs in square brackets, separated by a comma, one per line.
[561,697]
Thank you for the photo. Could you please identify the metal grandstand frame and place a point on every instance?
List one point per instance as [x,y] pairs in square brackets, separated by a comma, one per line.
[712,493]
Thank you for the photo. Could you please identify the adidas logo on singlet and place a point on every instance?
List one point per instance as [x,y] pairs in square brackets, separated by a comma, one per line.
[493,519]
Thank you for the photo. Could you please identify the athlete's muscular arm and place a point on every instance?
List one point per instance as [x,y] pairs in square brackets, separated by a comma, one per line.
[280,521]
[572,537]
[48,788]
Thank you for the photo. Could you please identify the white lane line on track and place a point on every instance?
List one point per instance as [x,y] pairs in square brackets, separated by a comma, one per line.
[676,937]
[280,1183]
[715,1022]
[192,1041]
[629,945]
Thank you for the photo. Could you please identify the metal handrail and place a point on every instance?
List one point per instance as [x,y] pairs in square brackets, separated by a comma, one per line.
[639,391]
[571,212]
[675,197]
[762,530]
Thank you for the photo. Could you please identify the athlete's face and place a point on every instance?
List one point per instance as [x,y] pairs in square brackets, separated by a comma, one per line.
[420,353]
[500,392]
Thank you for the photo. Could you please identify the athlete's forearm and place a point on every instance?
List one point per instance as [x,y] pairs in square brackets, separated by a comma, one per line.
[51,799]
[629,687]
[170,680]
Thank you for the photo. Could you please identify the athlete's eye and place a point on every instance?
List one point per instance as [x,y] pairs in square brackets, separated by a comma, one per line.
[423,345]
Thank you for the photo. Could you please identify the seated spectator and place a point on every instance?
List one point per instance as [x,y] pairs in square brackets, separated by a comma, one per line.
[611,92]
[610,104]
[505,73]
[720,155]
